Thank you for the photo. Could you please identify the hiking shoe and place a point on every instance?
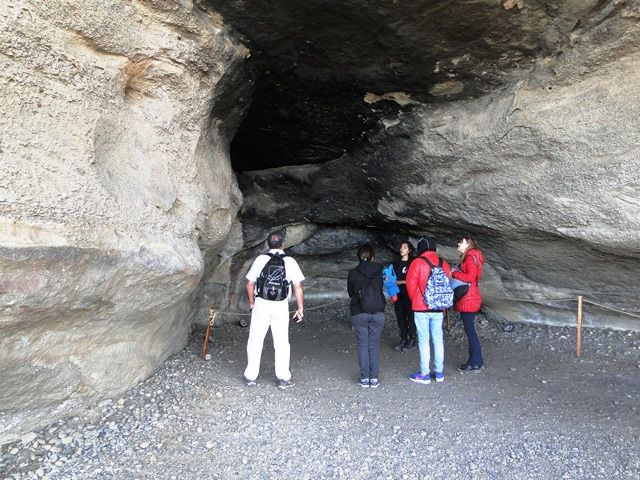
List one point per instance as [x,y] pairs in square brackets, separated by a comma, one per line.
[399,347]
[419,377]
[250,383]
[374,383]
[284,384]
[469,368]
[439,377]
[364,382]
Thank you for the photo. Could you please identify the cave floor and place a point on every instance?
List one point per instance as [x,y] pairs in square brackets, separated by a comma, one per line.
[536,411]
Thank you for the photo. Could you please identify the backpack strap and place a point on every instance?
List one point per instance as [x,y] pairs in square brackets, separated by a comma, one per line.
[271,255]
[431,264]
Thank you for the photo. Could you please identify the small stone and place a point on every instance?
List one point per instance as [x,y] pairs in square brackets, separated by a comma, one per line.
[144,445]
[14,451]
[28,438]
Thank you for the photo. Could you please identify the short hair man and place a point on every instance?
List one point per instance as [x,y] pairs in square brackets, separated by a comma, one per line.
[272,314]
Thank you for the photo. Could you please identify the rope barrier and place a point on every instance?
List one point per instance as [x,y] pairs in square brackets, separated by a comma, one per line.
[579,315]
[213,313]
[239,314]
[574,299]
[613,309]
[580,299]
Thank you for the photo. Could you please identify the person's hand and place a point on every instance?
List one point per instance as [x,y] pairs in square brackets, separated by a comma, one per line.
[298,315]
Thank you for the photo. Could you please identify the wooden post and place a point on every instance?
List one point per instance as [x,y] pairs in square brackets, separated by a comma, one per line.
[205,343]
[579,331]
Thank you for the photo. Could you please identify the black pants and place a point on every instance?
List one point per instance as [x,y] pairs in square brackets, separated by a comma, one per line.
[475,351]
[404,315]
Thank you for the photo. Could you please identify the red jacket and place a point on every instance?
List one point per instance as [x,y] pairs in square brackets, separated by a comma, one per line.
[417,277]
[470,272]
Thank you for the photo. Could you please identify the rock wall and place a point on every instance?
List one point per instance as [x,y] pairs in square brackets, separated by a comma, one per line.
[116,192]
[544,173]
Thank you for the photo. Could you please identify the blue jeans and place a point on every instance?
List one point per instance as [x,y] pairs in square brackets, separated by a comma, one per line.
[368,328]
[429,324]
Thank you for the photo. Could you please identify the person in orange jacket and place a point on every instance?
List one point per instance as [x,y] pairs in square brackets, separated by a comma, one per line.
[428,321]
[470,270]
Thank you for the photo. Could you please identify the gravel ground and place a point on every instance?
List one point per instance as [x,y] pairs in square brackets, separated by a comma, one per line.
[535,411]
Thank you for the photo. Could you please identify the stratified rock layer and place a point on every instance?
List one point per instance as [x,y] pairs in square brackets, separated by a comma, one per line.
[116,191]
[545,174]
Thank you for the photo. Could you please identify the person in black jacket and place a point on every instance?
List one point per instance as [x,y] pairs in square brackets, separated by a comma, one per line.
[402,306]
[364,285]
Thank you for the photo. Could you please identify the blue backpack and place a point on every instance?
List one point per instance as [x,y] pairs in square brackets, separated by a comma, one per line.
[438,295]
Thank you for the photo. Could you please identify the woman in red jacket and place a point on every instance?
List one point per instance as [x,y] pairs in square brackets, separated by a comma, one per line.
[470,271]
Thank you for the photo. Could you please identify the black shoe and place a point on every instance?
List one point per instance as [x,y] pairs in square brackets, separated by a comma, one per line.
[399,347]
[409,344]
[469,368]
[284,384]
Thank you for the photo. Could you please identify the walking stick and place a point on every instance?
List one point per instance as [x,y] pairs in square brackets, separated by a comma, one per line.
[205,344]
[579,329]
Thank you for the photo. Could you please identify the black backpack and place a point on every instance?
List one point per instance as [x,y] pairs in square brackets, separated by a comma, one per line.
[272,283]
[371,297]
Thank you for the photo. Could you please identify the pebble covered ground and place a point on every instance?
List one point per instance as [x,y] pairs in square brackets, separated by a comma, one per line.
[535,411]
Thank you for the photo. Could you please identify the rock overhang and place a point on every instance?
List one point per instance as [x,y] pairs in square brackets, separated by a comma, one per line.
[406,118]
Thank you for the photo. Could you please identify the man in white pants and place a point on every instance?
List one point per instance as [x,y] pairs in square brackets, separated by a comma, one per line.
[272,314]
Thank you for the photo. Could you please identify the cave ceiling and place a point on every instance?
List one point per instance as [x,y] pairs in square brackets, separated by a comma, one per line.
[313,63]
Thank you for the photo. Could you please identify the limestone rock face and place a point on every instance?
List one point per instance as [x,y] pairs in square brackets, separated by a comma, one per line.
[116,191]
[544,174]
[511,120]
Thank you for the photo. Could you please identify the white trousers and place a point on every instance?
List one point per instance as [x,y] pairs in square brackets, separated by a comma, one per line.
[275,315]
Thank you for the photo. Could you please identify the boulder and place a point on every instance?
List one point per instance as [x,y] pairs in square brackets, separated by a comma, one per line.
[116,195]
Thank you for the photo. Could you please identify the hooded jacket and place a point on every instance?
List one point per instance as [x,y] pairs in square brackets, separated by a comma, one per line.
[360,276]
[470,271]
[417,277]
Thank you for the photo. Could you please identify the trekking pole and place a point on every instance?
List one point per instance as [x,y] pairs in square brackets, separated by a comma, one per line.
[579,331]
[205,344]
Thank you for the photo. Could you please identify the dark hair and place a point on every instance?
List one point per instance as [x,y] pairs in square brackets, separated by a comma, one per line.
[412,250]
[365,253]
[275,239]
[426,244]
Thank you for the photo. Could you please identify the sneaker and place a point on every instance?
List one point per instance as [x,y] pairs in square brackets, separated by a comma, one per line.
[364,382]
[469,368]
[419,377]
[374,383]
[409,344]
[250,383]
[399,347]
[439,377]
[284,384]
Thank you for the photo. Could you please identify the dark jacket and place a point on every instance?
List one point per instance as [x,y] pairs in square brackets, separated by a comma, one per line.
[359,277]
[417,277]
[470,272]
[401,269]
